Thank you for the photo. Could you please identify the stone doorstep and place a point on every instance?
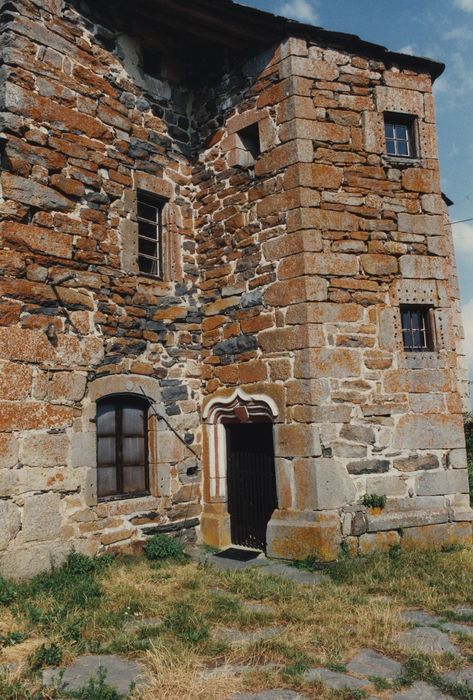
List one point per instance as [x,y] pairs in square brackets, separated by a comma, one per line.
[266,566]
[121,673]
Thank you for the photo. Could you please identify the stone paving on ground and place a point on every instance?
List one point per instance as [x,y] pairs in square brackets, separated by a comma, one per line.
[428,633]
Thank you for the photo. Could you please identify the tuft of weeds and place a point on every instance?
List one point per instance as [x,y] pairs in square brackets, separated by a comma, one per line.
[380,683]
[186,624]
[96,689]
[12,638]
[164,547]
[372,500]
[310,563]
[338,667]
[46,655]
[7,592]
[294,670]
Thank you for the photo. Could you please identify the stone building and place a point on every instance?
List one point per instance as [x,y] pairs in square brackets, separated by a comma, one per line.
[229,302]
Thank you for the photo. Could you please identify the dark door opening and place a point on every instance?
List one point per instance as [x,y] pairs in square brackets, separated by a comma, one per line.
[251,482]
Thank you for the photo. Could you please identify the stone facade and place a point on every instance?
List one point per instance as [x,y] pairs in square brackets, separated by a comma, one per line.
[284,273]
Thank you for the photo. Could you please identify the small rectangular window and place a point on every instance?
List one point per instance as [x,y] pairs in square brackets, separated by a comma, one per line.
[150,234]
[250,140]
[417,328]
[400,135]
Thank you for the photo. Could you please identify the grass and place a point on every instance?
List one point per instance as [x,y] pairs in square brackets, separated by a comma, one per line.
[84,607]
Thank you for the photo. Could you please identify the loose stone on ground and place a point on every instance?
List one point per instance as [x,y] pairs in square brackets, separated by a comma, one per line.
[134,624]
[333,679]
[464,676]
[370,663]
[421,691]
[458,628]
[463,611]
[428,640]
[121,673]
[419,617]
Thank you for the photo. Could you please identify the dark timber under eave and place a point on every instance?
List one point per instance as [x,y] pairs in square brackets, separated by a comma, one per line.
[226,23]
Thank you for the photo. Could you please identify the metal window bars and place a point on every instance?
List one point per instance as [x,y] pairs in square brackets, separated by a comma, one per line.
[150,235]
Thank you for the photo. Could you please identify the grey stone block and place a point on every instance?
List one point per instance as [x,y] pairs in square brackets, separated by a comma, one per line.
[463,676]
[416,463]
[329,484]
[458,628]
[358,433]
[427,640]
[10,522]
[419,617]
[421,691]
[368,466]
[334,680]
[442,482]
[121,673]
[463,611]
[370,663]
[41,517]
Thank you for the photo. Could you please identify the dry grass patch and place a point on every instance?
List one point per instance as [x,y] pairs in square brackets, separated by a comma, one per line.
[84,608]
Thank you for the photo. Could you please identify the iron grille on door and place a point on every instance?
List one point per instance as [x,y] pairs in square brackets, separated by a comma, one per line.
[251,482]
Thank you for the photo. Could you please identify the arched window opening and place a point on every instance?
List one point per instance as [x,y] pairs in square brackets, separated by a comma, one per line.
[122,447]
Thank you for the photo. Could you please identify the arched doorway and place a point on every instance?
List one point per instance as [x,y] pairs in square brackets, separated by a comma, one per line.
[241,490]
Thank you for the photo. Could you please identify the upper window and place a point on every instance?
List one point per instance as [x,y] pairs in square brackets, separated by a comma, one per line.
[400,136]
[122,447]
[417,328]
[150,234]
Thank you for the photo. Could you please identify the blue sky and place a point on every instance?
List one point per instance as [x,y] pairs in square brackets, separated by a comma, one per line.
[439,29]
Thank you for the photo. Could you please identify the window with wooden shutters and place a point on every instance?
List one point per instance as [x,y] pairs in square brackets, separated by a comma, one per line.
[150,234]
[122,447]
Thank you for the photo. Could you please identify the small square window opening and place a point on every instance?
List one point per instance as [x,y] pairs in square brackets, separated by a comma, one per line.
[417,328]
[399,133]
[250,140]
[150,234]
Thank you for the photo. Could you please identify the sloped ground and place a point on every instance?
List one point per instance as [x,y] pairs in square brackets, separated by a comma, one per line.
[393,626]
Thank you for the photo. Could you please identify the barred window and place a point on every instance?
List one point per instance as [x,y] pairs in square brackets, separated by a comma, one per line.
[122,447]
[400,138]
[417,329]
[150,234]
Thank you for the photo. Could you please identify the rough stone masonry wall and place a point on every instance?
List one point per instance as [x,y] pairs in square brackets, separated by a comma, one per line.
[299,273]
[303,271]
[82,128]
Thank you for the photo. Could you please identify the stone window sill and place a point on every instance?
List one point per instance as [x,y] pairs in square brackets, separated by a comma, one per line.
[123,497]
[403,161]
